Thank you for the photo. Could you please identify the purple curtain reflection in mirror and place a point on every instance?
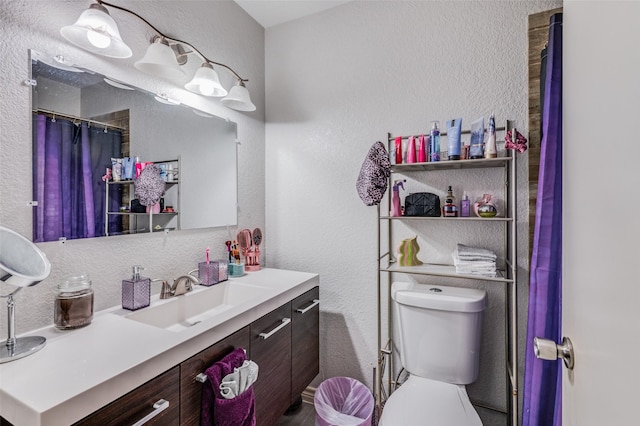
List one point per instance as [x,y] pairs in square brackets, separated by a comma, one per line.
[69,162]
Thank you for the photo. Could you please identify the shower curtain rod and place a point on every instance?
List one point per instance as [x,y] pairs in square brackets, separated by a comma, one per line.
[75,118]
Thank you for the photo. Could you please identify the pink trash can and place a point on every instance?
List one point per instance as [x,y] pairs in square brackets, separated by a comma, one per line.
[343,401]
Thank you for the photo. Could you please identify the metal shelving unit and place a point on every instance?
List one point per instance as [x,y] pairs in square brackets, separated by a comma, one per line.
[507,277]
[146,219]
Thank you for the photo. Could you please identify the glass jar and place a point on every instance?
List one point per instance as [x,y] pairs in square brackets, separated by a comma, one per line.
[73,307]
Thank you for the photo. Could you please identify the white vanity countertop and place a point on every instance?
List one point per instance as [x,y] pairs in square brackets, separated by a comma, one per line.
[80,371]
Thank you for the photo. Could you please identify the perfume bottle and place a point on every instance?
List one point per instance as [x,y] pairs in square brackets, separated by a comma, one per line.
[136,292]
[450,209]
[465,206]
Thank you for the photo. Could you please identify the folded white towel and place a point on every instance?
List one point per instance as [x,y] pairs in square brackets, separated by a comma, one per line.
[474,253]
[485,267]
[233,384]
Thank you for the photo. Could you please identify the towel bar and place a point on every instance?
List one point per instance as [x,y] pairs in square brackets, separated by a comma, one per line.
[203,377]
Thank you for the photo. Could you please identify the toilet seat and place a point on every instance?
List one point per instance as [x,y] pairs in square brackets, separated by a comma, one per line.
[426,402]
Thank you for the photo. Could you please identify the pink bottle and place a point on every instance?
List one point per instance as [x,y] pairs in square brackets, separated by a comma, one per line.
[399,150]
[422,150]
[411,150]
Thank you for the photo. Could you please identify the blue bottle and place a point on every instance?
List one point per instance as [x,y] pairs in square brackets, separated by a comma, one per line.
[434,141]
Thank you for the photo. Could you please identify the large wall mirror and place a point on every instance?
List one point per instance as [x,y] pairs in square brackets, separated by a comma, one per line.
[82,120]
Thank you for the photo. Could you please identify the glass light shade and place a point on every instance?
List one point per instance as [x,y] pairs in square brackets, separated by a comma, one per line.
[96,31]
[206,82]
[238,99]
[159,60]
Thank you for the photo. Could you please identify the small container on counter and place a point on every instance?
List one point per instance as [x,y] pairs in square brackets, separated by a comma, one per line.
[73,307]
[214,272]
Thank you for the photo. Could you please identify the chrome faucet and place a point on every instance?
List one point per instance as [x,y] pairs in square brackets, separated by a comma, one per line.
[181,285]
[184,284]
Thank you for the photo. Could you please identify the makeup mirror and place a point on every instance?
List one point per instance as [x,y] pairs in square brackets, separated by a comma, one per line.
[71,102]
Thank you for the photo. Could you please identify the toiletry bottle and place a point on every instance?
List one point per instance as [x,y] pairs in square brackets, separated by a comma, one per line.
[411,150]
[434,138]
[396,209]
[136,292]
[465,207]
[490,149]
[450,209]
[422,149]
[398,146]
[454,135]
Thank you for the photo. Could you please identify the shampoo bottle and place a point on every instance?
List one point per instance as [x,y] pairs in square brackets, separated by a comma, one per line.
[422,150]
[136,292]
[434,138]
[411,150]
[490,149]
[398,150]
[396,208]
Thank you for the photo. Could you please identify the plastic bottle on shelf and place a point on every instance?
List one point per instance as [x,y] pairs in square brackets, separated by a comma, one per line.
[490,149]
[465,206]
[434,138]
[396,208]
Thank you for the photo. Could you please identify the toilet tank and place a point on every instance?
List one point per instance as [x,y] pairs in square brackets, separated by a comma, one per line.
[437,330]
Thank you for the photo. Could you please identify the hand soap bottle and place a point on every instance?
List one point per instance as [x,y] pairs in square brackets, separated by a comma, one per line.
[136,292]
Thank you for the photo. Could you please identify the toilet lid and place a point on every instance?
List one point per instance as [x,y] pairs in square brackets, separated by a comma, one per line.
[425,402]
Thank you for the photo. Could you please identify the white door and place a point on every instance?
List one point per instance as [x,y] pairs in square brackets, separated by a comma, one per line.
[601,220]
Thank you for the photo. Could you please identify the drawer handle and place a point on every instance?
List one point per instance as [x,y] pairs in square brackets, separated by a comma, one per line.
[265,336]
[201,378]
[158,407]
[315,303]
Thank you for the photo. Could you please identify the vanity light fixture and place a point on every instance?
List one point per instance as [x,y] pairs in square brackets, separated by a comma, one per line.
[206,82]
[97,32]
[238,98]
[159,60]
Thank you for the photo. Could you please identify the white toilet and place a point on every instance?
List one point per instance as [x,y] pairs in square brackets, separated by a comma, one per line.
[437,332]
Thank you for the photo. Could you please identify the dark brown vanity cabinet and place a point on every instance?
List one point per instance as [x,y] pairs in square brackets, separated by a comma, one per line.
[190,370]
[285,345]
[305,341]
[148,401]
[271,350]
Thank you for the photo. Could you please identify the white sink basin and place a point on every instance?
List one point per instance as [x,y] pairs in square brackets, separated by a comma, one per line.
[183,312]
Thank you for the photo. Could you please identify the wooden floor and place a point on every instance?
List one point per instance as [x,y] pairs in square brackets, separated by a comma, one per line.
[304,416]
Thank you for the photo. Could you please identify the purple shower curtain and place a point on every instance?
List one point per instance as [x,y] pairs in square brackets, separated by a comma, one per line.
[68,163]
[543,379]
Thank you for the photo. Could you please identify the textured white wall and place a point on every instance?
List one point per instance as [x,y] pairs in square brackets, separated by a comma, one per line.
[337,82]
[223,32]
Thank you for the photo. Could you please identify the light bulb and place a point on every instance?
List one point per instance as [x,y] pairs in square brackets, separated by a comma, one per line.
[207,89]
[98,39]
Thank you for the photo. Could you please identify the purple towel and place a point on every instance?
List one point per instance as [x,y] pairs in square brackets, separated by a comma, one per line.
[218,411]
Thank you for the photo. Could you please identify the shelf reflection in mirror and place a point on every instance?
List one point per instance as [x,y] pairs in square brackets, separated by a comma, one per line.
[151,130]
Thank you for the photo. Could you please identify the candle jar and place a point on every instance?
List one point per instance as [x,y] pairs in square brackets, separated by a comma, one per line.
[73,306]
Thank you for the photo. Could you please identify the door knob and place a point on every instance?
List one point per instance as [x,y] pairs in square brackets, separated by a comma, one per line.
[549,350]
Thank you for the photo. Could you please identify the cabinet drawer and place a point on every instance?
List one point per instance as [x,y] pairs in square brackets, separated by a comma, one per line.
[190,389]
[305,341]
[138,403]
[273,355]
